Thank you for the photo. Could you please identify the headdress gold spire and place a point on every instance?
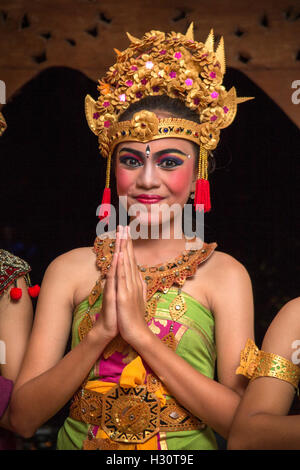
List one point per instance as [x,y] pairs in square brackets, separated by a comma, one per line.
[190,32]
[209,43]
[220,55]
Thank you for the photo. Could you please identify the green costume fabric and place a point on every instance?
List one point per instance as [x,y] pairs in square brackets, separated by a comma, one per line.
[194,333]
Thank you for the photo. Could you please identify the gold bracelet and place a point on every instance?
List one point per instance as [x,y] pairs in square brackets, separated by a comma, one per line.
[255,363]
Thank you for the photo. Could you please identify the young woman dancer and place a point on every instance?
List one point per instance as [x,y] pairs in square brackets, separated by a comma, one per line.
[146,335]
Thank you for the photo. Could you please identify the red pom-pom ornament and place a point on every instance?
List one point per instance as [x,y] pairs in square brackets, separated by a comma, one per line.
[34,291]
[15,293]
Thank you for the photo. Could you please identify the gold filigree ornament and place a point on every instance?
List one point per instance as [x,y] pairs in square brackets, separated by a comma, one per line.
[255,363]
[171,64]
[144,125]
[175,418]
[3,125]
[130,414]
[177,307]
[100,444]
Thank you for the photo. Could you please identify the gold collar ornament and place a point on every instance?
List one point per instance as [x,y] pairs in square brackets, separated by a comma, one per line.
[158,278]
[171,64]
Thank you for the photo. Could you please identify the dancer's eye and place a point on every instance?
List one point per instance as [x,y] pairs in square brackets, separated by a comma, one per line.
[131,161]
[169,162]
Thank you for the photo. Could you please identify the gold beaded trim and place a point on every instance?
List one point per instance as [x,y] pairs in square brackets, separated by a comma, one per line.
[255,363]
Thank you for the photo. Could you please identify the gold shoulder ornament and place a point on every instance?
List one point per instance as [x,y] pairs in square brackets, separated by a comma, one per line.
[256,363]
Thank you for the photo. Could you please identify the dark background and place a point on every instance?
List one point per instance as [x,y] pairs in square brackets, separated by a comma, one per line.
[52,180]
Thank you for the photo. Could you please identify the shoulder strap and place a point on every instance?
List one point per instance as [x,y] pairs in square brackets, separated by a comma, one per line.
[11,267]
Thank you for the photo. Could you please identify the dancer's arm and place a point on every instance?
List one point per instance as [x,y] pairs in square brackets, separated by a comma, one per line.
[15,327]
[48,378]
[261,421]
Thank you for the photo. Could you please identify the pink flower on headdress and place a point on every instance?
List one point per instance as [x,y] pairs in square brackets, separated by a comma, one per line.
[215,116]
[172,74]
[96,115]
[129,82]
[122,97]
[225,109]
[177,55]
[189,82]
[214,94]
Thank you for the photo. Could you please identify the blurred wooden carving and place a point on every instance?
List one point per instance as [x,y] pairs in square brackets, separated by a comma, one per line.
[261,38]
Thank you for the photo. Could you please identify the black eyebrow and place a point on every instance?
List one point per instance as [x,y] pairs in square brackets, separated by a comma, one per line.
[161,152]
[136,152]
[157,154]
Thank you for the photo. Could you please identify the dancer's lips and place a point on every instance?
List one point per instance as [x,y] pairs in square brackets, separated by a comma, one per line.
[149,198]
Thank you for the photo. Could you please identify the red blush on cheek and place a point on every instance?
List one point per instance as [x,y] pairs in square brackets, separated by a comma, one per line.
[124,179]
[179,180]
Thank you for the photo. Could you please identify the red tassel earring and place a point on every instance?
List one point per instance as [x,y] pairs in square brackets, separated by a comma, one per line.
[202,192]
[104,212]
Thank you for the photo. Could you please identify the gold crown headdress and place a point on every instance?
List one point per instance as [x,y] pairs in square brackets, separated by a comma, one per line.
[158,64]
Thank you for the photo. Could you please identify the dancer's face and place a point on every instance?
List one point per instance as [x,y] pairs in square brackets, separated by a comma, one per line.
[163,168]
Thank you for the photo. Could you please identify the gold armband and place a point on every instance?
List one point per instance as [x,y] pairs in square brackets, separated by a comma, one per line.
[255,363]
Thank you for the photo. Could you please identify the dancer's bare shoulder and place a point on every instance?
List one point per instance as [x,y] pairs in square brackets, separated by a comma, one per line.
[283,334]
[218,276]
[221,267]
[223,276]
[76,270]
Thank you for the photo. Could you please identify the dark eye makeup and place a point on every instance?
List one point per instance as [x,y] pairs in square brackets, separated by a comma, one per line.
[166,161]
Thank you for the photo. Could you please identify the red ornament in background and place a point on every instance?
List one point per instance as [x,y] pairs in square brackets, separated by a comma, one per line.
[15,293]
[34,291]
